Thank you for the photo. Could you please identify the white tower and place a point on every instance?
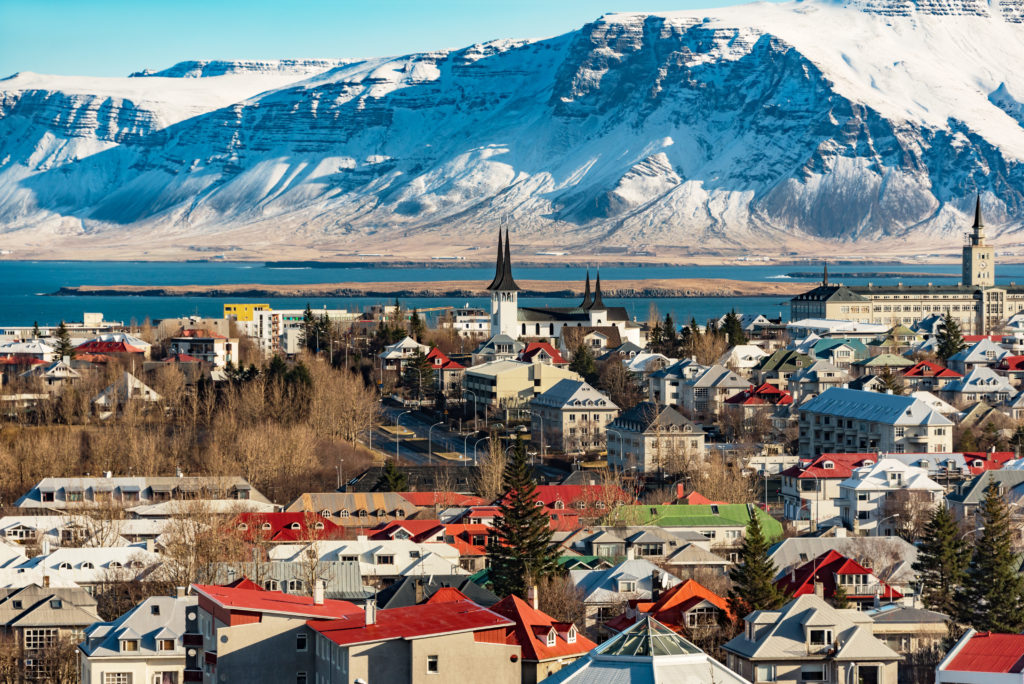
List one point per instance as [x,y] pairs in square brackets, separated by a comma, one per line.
[979,259]
[504,294]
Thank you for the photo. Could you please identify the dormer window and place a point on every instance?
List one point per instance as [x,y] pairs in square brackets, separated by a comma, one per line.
[318,526]
[551,637]
[265,526]
[828,465]
[325,513]
[64,566]
[343,513]
[820,637]
[129,645]
[295,526]
[571,636]
[243,527]
[559,505]
[627,586]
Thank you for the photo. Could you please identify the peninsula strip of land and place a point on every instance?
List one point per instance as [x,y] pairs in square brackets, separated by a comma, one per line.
[663,287]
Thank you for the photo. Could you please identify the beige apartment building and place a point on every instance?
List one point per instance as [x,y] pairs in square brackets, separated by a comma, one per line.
[976,302]
[571,417]
[508,384]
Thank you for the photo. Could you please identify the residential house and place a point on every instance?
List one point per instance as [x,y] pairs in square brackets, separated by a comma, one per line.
[928,376]
[845,420]
[810,641]
[664,384]
[621,542]
[776,369]
[867,383]
[498,347]
[60,493]
[469,322]
[512,384]
[603,591]
[207,346]
[724,525]
[117,344]
[396,356]
[681,608]
[754,399]
[647,437]
[645,363]
[898,339]
[1013,368]
[597,338]
[355,509]
[704,395]
[571,417]
[983,658]
[966,502]
[873,498]
[590,500]
[93,567]
[54,375]
[412,591]
[340,579]
[832,570]
[980,384]
[438,641]
[880,365]
[646,652]
[982,354]
[241,633]
[282,527]
[28,350]
[126,389]
[936,404]
[144,645]
[816,378]
[547,644]
[448,374]
[743,358]
[542,352]
[840,352]
[810,490]
[39,619]
[908,630]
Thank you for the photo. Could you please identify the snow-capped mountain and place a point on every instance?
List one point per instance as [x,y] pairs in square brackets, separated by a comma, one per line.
[770,127]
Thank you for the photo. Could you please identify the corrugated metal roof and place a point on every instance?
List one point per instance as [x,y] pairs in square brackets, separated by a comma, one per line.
[891,409]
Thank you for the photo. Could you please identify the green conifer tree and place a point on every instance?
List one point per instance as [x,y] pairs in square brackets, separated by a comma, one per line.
[994,596]
[64,346]
[753,578]
[584,364]
[418,376]
[417,328]
[840,599]
[950,339]
[392,479]
[941,564]
[732,327]
[519,550]
[36,332]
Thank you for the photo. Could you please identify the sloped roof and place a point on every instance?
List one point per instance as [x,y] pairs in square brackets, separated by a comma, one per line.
[714,515]
[403,591]
[989,652]
[891,409]
[274,602]
[929,369]
[535,348]
[571,394]
[762,395]
[531,629]
[824,569]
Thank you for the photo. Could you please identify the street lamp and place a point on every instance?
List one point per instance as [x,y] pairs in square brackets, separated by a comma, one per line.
[622,451]
[397,434]
[476,425]
[476,444]
[878,525]
[430,444]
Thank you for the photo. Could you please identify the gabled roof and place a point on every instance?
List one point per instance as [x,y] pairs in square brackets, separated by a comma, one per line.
[930,369]
[411,622]
[647,415]
[574,394]
[274,602]
[531,630]
[842,466]
[282,527]
[884,361]
[97,347]
[674,603]
[987,652]
[890,409]
[824,570]
[763,395]
[403,591]
[784,360]
[158,617]
[981,379]
[535,348]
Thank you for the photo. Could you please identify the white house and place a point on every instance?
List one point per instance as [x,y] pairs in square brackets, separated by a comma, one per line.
[864,497]
[742,358]
[980,384]
[572,416]
[395,356]
[381,559]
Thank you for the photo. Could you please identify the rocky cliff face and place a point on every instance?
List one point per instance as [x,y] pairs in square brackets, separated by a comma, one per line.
[767,127]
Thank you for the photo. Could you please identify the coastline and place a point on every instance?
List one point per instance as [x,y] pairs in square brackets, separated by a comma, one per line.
[653,288]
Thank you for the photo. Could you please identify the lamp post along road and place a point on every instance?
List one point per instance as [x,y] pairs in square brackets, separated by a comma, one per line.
[398,438]
[430,444]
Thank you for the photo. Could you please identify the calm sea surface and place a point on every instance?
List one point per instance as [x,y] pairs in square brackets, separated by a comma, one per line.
[24,298]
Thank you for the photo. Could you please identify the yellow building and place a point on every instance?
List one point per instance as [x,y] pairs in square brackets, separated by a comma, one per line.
[243,312]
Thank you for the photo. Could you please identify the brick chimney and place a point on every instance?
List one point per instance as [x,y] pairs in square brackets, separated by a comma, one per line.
[532,598]
[420,589]
[655,585]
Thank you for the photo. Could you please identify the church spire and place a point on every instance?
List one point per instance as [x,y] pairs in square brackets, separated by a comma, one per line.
[598,302]
[586,293]
[978,238]
[503,280]
[824,275]
[497,265]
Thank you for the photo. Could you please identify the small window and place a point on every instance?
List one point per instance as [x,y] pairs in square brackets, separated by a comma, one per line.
[129,645]
[243,527]
[295,526]
[765,673]
[16,604]
[294,586]
[343,513]
[64,566]
[571,636]
[820,637]
[56,604]
[165,644]
[154,609]
[551,638]
[301,678]
[432,664]
[812,673]
[318,526]
[388,559]
[300,642]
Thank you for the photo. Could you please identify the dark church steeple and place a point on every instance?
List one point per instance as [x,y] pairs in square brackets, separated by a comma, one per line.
[824,275]
[503,280]
[586,293]
[598,302]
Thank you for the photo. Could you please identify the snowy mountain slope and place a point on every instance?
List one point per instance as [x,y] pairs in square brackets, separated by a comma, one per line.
[768,126]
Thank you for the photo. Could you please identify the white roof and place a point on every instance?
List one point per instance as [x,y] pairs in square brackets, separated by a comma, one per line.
[121,337]
[934,402]
[409,557]
[216,506]
[832,325]
[574,394]
[89,565]
[158,617]
[602,586]
[981,380]
[877,477]
[643,360]
[982,351]
[126,387]
[742,356]
[891,409]
[28,347]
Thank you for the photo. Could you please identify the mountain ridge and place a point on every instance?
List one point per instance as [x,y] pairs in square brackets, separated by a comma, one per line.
[783,129]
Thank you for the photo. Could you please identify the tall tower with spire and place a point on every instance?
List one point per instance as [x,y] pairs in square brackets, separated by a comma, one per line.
[504,294]
[979,258]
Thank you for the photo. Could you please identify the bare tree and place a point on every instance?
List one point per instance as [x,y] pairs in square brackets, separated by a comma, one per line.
[910,511]
[489,479]
[560,598]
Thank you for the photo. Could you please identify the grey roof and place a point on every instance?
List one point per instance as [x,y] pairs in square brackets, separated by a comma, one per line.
[894,613]
[719,376]
[143,624]
[35,606]
[601,586]
[984,350]
[865,383]
[218,484]
[573,394]
[403,592]
[341,579]
[981,379]
[647,415]
[784,638]
[891,409]
[889,557]
[691,554]
[973,491]
[678,369]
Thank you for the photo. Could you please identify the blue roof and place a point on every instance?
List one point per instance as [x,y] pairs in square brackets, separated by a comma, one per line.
[891,409]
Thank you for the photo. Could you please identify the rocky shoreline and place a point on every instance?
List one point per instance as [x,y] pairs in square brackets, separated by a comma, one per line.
[655,288]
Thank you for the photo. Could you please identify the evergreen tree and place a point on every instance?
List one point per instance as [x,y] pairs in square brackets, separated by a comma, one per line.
[994,596]
[670,335]
[310,330]
[64,346]
[519,550]
[36,332]
[949,338]
[655,339]
[732,327]
[890,382]
[391,479]
[840,599]
[584,364]
[941,564]
[753,578]
[417,328]
[419,375]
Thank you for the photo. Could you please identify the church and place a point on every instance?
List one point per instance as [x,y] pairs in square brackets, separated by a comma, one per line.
[510,320]
[976,302]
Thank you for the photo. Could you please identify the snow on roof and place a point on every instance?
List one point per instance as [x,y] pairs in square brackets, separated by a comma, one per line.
[875,407]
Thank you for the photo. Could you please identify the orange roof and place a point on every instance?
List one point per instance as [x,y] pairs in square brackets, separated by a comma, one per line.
[673,603]
[202,333]
[101,347]
[532,628]
[447,595]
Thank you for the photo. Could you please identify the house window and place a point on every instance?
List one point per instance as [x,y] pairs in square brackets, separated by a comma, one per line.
[551,638]
[301,678]
[821,637]
[154,610]
[165,644]
[129,645]
[627,586]
[294,585]
[386,559]
[765,673]
[117,678]
[165,678]
[571,636]
[812,673]
[342,513]
[300,642]
[42,637]
[705,615]
[56,604]
[271,585]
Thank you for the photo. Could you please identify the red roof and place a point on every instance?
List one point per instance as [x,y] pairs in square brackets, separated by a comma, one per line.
[971,339]
[410,622]
[91,358]
[988,652]
[275,602]
[181,358]
[430,499]
[765,395]
[930,369]
[417,529]
[842,466]
[201,333]
[1011,363]
[243,583]
[282,527]
[447,595]
[824,570]
[100,347]
[535,348]
[440,361]
[532,628]
[694,498]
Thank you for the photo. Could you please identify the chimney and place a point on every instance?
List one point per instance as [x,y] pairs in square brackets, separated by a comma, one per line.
[149,546]
[45,551]
[819,589]
[420,590]
[680,490]
[107,474]
[655,585]
[66,359]
[318,593]
[792,575]
[531,596]
[630,553]
[371,612]
[46,581]
[179,592]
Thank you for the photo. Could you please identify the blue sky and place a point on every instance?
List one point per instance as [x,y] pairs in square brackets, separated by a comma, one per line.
[116,37]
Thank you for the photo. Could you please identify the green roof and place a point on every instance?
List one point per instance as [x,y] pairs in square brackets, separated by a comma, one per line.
[698,515]
[885,360]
